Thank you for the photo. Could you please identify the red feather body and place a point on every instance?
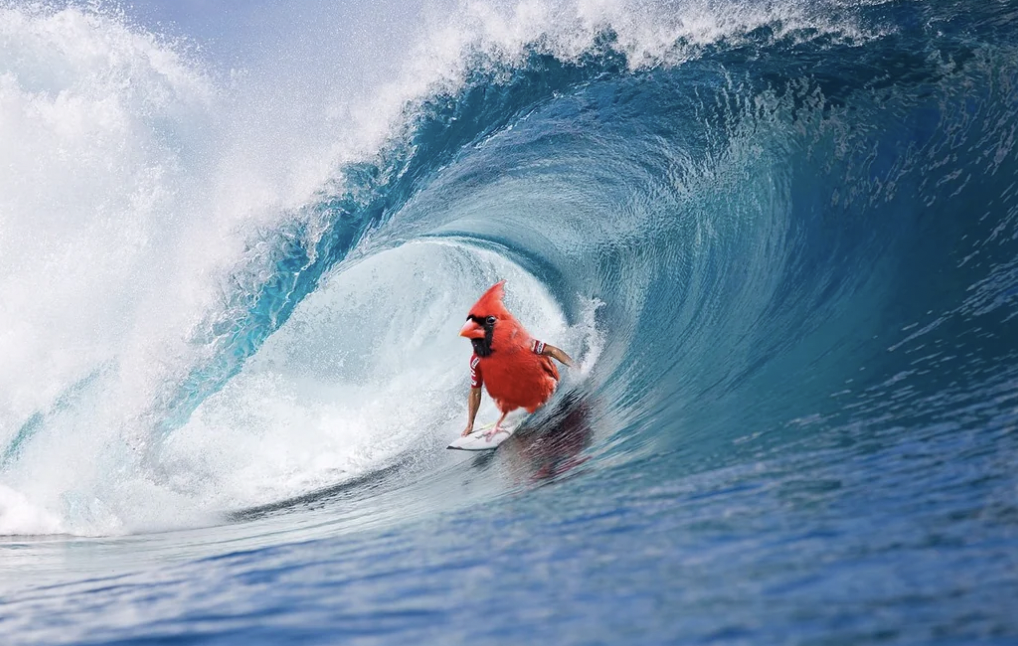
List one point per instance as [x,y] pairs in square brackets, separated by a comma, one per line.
[514,375]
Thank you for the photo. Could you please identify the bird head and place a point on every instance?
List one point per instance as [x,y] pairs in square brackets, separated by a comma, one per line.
[488,321]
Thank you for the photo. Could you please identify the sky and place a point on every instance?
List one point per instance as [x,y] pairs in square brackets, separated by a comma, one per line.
[247,29]
[203,19]
[351,44]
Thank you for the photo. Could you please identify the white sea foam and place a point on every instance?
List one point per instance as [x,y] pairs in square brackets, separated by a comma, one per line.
[19,516]
[134,178]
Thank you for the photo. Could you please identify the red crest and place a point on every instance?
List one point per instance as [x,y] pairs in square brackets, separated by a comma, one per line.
[490,303]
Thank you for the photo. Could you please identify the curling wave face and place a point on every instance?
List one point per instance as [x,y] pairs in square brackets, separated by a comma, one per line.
[759,229]
[782,241]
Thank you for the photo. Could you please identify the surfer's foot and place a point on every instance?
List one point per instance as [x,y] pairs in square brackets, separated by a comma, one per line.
[493,432]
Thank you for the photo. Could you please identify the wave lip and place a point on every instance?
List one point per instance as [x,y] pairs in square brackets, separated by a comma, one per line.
[798,351]
[675,166]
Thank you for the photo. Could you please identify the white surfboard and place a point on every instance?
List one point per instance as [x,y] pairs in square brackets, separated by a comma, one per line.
[477,441]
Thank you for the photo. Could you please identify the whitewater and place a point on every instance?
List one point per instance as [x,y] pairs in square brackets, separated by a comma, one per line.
[780,239]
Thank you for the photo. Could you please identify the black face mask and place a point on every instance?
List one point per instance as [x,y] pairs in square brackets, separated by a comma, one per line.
[482,347]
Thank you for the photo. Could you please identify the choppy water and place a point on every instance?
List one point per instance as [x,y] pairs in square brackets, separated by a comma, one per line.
[781,239]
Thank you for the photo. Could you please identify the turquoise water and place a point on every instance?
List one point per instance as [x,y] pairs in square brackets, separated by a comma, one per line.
[779,239]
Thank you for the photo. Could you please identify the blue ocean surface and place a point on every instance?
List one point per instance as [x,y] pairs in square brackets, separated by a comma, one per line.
[780,239]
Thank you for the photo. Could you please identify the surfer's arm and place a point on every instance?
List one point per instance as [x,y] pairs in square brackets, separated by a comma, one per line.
[473,403]
[557,355]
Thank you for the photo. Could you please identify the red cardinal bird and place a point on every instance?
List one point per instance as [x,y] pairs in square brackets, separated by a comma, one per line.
[516,368]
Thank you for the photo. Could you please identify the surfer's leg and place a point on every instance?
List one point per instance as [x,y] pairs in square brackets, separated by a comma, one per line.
[498,428]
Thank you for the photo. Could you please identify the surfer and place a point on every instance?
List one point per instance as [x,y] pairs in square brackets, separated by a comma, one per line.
[517,369]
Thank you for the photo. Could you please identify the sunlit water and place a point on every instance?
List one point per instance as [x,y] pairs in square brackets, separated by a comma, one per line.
[781,240]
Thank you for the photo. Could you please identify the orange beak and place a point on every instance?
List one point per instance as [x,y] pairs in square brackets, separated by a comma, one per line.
[472,330]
